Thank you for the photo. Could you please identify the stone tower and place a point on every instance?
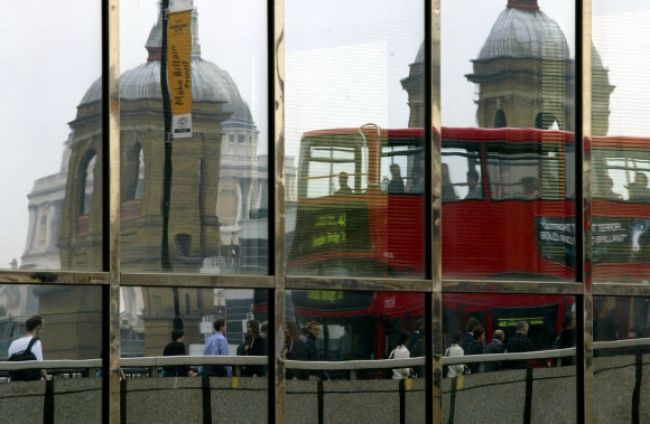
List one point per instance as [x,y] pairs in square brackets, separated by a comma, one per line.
[524,74]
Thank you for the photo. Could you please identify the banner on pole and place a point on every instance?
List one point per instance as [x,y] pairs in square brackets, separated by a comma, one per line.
[179,69]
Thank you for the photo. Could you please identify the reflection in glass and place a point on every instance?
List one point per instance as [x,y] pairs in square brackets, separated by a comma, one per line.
[620,156]
[218,178]
[51,197]
[71,319]
[477,324]
[357,207]
[508,193]
[341,326]
[619,366]
[199,322]
[67,323]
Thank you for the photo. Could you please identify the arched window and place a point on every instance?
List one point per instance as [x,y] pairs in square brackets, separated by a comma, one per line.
[87,171]
[500,119]
[135,178]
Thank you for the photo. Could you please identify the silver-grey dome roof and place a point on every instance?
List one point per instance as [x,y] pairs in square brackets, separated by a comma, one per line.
[209,82]
[528,33]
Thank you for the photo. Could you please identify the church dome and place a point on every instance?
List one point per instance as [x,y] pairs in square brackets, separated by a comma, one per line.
[209,82]
[524,31]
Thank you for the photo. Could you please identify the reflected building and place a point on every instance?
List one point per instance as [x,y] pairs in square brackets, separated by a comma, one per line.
[45,210]
[218,212]
[525,76]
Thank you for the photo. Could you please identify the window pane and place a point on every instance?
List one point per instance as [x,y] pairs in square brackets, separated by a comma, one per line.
[478,324]
[620,156]
[508,193]
[196,324]
[217,178]
[67,322]
[51,200]
[353,140]
[343,326]
[618,369]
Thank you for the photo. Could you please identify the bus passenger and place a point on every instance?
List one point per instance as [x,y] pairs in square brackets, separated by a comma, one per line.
[396,184]
[475,190]
[638,189]
[530,186]
[344,188]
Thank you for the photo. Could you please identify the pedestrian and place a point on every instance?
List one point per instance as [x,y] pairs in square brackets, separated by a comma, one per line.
[294,349]
[476,348]
[255,345]
[26,348]
[497,345]
[217,345]
[401,352]
[454,351]
[176,348]
[519,342]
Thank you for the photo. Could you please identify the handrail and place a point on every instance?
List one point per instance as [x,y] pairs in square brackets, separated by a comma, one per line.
[163,361]
[615,344]
[50,364]
[355,364]
[510,356]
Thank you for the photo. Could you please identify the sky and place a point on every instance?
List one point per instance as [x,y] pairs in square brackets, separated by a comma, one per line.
[344,62]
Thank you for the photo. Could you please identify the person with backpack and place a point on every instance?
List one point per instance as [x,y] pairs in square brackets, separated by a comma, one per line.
[28,348]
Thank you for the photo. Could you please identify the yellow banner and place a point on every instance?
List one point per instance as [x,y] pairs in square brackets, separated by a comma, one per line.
[179,72]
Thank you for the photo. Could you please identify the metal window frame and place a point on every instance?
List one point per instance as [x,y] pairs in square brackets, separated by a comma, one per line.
[433,286]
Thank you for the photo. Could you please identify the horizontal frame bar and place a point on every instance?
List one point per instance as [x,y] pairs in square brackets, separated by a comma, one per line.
[621,289]
[198,280]
[56,277]
[507,286]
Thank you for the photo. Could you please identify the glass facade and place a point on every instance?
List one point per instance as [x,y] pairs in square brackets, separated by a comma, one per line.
[289,211]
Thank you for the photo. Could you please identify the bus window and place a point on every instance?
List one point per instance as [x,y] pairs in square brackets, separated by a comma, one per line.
[402,168]
[624,174]
[333,166]
[526,171]
[461,172]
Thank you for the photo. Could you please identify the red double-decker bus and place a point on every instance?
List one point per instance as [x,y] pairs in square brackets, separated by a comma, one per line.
[508,207]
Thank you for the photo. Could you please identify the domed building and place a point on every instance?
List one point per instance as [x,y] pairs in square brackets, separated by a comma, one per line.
[525,75]
[218,192]
[225,137]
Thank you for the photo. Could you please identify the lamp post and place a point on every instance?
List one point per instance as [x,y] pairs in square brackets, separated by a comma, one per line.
[165,261]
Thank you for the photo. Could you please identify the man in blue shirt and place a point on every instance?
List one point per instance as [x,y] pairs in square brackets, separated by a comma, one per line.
[217,345]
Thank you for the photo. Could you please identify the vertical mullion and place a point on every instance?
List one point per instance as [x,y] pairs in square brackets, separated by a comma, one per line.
[433,215]
[276,165]
[111,196]
[583,212]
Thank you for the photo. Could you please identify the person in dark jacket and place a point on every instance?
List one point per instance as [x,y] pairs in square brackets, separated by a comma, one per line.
[176,348]
[312,347]
[497,345]
[254,345]
[567,337]
[295,349]
[469,335]
[519,342]
[476,347]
